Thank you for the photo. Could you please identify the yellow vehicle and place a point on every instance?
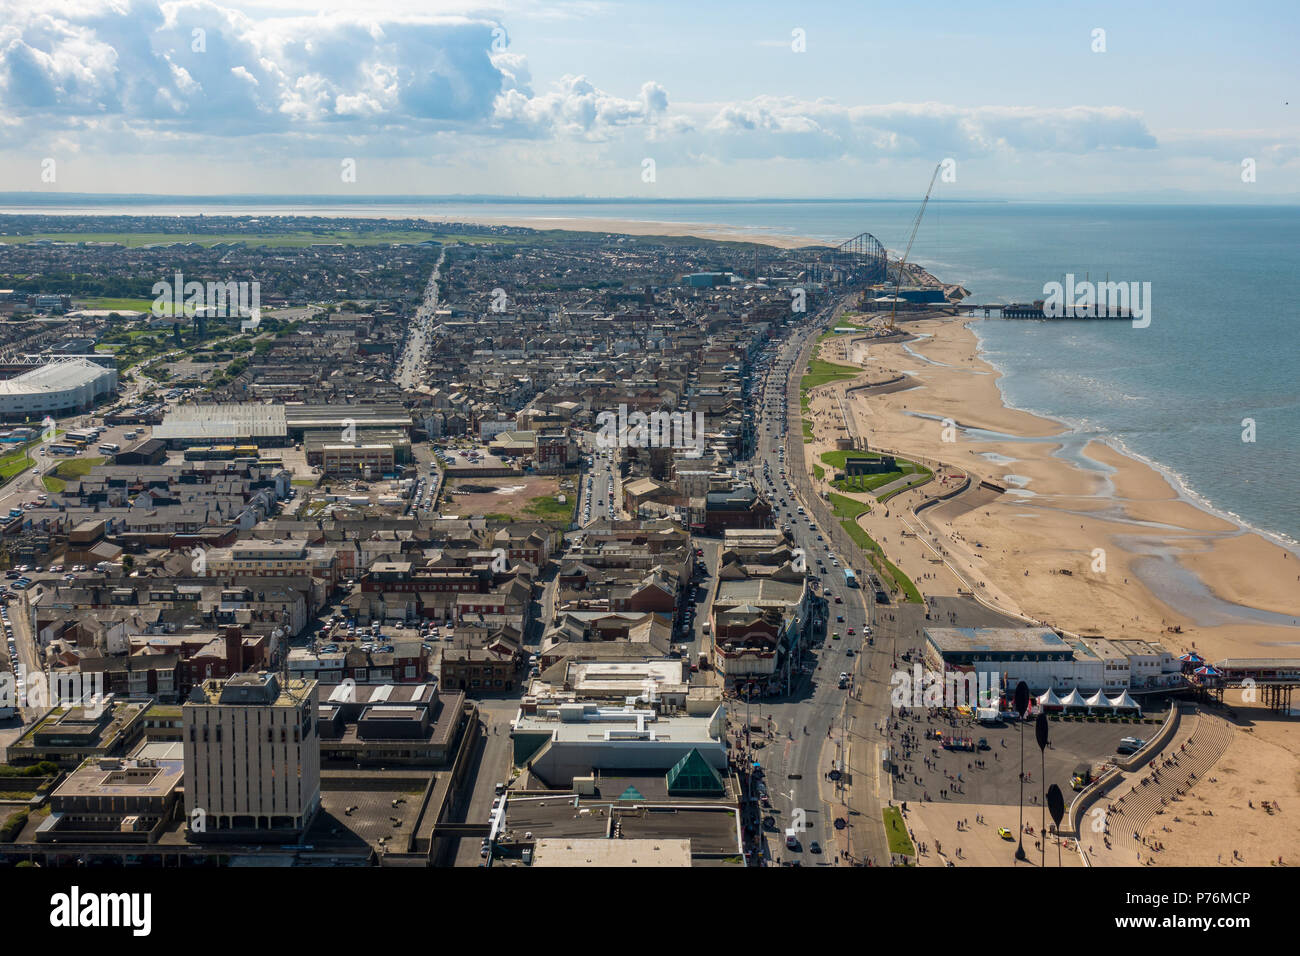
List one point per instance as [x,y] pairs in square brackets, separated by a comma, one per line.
[1005,833]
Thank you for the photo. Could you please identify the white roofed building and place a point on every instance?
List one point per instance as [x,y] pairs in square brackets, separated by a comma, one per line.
[58,388]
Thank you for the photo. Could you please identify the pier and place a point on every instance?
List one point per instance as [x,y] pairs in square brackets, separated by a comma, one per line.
[1034,310]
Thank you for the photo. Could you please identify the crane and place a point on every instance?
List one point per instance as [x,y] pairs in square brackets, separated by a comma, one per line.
[916,224]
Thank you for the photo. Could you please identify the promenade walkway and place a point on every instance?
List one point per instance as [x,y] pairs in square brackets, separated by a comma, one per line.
[1149,791]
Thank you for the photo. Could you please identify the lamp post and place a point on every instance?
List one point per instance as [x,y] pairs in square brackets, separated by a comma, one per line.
[1040,732]
[1056,804]
[1021,707]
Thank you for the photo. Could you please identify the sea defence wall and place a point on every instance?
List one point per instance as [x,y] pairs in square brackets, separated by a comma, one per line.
[1103,784]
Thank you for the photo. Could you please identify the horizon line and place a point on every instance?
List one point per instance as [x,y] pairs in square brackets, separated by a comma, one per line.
[35,198]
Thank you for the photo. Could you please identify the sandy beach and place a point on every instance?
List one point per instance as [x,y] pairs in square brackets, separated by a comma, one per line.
[1142,561]
[637,227]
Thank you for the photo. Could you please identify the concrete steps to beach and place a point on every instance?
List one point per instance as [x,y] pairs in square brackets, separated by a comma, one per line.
[1138,804]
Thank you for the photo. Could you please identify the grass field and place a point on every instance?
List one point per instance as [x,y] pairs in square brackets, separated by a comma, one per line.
[546,508]
[509,498]
[820,372]
[295,239]
[126,305]
[896,830]
[68,470]
[14,463]
[862,484]
[847,511]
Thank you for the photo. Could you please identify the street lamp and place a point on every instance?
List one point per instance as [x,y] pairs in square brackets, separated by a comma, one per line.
[1040,732]
[1021,707]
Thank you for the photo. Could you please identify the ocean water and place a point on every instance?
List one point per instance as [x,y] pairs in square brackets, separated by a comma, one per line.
[1223,344]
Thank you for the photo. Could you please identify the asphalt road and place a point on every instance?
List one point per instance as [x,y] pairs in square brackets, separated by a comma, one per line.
[409,364]
[809,729]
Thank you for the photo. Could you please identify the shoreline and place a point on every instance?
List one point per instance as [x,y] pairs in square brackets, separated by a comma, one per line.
[1070,491]
[1177,482]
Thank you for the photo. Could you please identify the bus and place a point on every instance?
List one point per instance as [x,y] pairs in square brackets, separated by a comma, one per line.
[210,453]
[110,448]
[850,579]
[59,448]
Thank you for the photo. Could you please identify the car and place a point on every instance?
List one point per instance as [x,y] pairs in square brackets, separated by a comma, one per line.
[851,631]
[839,618]
[835,636]
[792,842]
[982,744]
[1005,834]
[1130,745]
[814,847]
[838,599]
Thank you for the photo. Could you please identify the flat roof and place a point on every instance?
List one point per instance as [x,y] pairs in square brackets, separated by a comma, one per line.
[588,723]
[996,639]
[223,420]
[123,778]
[597,852]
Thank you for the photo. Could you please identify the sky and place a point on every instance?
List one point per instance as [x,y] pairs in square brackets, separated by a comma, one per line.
[1184,101]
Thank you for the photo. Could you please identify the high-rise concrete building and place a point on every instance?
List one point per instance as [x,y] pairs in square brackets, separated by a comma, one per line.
[252,756]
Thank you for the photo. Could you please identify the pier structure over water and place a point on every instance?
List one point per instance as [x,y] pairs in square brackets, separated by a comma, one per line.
[1273,679]
[1036,310]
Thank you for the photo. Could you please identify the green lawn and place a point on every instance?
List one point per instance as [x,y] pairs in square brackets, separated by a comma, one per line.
[896,830]
[862,484]
[846,508]
[125,305]
[14,463]
[77,467]
[820,372]
[547,508]
[294,239]
[68,470]
[847,511]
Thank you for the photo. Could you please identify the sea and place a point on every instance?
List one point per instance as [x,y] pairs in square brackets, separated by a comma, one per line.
[1208,392]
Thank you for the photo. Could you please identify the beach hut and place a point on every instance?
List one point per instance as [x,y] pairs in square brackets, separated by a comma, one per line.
[1049,700]
[1099,701]
[1074,701]
[1125,702]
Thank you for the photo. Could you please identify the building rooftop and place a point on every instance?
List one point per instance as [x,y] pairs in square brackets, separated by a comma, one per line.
[261,689]
[123,778]
[579,852]
[53,377]
[1026,640]
[227,420]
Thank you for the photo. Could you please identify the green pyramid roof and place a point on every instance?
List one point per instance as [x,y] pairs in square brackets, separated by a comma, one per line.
[692,776]
[631,793]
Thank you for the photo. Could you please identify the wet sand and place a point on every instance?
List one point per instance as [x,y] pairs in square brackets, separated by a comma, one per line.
[1142,560]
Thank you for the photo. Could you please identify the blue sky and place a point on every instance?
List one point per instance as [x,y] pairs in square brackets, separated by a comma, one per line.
[574,97]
